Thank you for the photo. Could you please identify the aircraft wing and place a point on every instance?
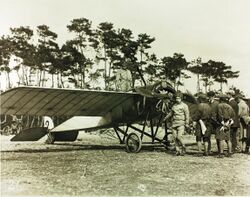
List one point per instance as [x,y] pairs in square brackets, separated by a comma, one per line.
[61,102]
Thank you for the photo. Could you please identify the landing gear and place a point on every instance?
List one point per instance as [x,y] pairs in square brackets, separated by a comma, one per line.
[133,143]
[16,128]
[50,138]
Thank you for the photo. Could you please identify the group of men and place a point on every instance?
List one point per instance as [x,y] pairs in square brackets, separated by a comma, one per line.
[225,115]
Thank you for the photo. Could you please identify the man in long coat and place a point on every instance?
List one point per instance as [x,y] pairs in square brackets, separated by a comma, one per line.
[225,116]
[235,127]
[202,117]
[214,105]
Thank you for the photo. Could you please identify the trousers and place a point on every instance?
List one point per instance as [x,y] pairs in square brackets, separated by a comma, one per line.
[177,133]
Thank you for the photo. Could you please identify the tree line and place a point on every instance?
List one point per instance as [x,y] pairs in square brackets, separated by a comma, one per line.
[93,57]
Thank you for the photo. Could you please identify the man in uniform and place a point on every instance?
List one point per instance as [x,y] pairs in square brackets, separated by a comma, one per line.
[225,116]
[243,113]
[180,119]
[213,104]
[202,118]
[235,127]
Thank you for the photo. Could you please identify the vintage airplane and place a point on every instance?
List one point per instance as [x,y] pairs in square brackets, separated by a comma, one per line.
[87,110]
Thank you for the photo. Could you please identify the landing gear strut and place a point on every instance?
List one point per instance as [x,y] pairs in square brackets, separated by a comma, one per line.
[50,138]
[133,141]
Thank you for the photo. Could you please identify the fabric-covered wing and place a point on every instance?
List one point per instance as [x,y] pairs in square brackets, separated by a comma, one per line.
[61,102]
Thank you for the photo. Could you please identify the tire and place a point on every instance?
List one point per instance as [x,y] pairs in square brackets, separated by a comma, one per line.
[133,143]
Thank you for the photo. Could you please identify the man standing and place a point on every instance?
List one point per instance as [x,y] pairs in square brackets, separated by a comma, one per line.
[225,115]
[214,105]
[202,118]
[235,127]
[180,119]
[243,112]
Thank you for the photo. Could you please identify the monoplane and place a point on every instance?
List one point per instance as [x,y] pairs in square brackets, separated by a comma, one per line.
[89,110]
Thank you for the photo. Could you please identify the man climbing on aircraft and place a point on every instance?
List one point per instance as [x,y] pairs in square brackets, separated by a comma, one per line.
[180,120]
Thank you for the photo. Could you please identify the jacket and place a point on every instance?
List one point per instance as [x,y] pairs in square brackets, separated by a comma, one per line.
[180,114]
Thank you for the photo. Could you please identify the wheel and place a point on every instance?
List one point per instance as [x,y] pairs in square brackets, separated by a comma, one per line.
[133,143]
[50,138]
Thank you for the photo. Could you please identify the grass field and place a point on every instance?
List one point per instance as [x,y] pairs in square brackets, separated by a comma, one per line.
[96,165]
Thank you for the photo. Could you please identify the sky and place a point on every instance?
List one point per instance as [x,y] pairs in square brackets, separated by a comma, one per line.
[211,29]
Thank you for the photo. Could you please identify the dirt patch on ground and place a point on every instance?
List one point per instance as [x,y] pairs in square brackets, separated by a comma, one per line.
[96,165]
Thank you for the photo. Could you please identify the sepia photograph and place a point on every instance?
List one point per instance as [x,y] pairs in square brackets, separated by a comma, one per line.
[124,98]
